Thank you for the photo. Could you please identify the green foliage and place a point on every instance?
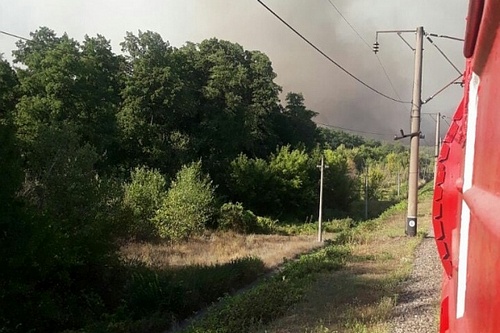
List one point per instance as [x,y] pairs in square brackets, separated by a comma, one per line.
[235,217]
[186,290]
[254,184]
[154,301]
[328,258]
[266,225]
[287,186]
[296,182]
[332,139]
[340,181]
[9,165]
[274,296]
[308,228]
[65,83]
[74,115]
[296,127]
[144,196]
[8,89]
[188,206]
[240,313]
[153,94]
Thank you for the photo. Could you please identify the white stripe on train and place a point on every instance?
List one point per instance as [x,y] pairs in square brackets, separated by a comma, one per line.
[468,173]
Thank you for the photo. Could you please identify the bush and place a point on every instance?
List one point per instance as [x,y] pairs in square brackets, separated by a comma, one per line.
[144,195]
[246,311]
[235,217]
[188,289]
[266,225]
[188,206]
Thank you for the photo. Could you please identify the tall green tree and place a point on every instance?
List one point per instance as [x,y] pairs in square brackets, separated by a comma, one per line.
[63,82]
[9,156]
[154,109]
[189,205]
[331,139]
[296,126]
[341,181]
[64,127]
[239,98]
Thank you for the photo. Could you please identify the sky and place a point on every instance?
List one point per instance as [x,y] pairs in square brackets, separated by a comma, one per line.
[339,100]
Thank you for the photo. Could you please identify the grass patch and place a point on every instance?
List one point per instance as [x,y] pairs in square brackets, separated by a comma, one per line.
[170,282]
[310,228]
[361,297]
[221,247]
[154,300]
[273,297]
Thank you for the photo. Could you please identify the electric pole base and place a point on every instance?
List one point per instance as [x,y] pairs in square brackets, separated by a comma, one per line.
[411,226]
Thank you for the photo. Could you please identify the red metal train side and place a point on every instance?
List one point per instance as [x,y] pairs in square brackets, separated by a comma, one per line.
[466,210]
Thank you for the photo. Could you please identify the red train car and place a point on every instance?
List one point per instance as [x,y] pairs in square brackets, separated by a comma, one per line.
[466,208]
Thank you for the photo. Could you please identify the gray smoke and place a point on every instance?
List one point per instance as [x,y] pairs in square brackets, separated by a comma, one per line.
[339,100]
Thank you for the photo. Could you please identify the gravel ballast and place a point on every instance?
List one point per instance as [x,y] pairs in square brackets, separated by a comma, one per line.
[417,309]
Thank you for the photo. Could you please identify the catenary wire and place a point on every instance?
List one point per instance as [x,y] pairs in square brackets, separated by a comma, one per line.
[441,90]
[447,122]
[329,58]
[353,130]
[349,24]
[443,54]
[13,35]
[368,45]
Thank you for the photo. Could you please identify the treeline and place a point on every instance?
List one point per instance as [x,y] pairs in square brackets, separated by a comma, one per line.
[155,143]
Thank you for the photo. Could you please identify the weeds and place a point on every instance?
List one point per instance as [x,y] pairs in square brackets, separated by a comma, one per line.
[360,298]
[273,297]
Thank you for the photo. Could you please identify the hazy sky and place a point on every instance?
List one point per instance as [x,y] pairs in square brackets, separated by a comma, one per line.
[339,100]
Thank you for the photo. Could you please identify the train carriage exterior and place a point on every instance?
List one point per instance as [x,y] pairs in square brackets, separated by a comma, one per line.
[466,207]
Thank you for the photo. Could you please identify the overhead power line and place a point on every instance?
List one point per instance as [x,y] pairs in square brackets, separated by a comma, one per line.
[444,55]
[352,130]
[442,89]
[368,45]
[13,35]
[447,122]
[349,24]
[329,58]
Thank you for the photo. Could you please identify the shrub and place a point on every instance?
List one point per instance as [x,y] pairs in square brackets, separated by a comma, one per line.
[273,296]
[235,217]
[143,196]
[188,206]
[266,225]
[186,290]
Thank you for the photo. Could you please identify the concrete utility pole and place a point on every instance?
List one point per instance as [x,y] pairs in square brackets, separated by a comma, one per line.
[436,144]
[320,214]
[411,218]
[366,190]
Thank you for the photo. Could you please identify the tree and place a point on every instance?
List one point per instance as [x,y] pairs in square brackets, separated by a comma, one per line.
[340,184]
[296,173]
[144,195]
[151,112]
[253,183]
[189,205]
[296,127]
[99,87]
[331,139]
[239,97]
[8,89]
[9,154]
[65,83]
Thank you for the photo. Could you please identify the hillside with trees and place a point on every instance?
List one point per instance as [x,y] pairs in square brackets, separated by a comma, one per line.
[159,144]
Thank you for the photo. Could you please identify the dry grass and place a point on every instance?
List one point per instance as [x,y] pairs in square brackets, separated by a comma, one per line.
[361,297]
[222,247]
